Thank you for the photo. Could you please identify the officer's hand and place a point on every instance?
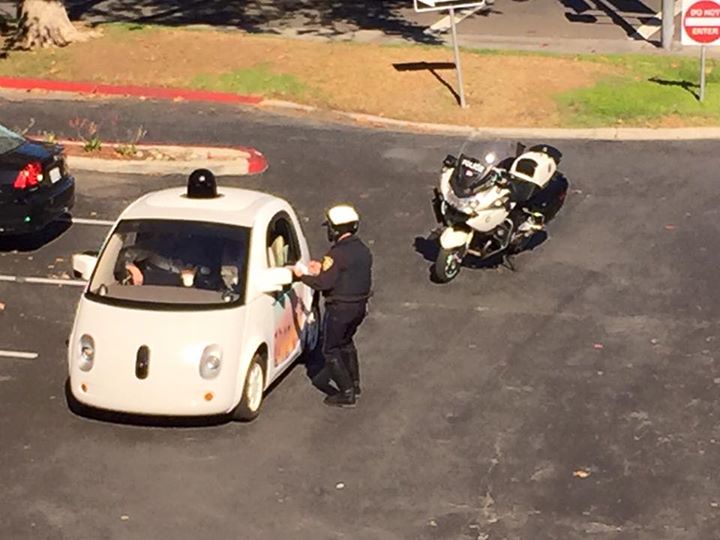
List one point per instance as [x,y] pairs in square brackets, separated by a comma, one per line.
[298,270]
[133,275]
[314,268]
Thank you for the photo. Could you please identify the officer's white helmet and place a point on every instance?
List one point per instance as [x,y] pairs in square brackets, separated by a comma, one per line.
[341,219]
[342,214]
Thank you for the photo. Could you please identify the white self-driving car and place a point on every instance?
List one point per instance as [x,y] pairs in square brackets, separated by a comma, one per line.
[190,308]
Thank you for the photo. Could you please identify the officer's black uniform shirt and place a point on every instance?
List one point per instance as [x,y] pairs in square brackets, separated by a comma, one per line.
[346,274]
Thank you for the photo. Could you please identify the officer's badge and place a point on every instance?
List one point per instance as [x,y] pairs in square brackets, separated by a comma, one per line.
[327,262]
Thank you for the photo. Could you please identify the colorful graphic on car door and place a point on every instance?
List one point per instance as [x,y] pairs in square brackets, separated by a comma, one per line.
[290,318]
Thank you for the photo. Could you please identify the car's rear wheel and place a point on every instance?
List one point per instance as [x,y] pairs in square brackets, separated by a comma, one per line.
[253,389]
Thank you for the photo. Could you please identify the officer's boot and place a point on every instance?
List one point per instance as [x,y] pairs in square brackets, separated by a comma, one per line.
[346,396]
[350,358]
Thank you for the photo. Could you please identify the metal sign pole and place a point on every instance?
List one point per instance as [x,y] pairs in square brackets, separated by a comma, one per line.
[458,68]
[702,73]
[668,27]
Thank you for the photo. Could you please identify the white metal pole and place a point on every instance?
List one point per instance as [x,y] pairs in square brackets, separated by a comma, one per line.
[702,73]
[458,69]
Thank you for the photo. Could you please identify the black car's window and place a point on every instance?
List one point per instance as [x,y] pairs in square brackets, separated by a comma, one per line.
[173,263]
[9,140]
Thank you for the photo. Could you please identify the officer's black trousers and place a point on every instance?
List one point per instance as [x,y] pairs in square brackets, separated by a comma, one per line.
[339,327]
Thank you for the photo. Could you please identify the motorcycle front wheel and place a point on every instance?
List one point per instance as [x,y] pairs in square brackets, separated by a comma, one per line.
[447,265]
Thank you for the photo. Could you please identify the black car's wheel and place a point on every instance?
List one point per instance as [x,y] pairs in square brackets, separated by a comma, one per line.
[447,265]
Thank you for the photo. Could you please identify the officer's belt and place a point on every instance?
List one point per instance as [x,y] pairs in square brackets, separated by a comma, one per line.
[347,299]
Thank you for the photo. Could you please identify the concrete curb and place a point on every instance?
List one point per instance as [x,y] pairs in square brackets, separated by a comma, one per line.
[606,134]
[222,161]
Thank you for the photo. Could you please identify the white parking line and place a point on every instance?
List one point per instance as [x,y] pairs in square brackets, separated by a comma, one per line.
[18,354]
[655,25]
[43,281]
[86,221]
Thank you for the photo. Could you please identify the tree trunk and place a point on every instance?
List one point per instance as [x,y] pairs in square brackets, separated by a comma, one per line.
[45,23]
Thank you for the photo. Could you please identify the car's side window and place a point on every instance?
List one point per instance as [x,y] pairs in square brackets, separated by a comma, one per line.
[283,248]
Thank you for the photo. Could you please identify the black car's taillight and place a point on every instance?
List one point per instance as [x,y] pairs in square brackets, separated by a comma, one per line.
[29,177]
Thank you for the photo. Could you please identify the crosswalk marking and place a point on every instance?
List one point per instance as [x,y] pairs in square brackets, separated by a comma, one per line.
[647,30]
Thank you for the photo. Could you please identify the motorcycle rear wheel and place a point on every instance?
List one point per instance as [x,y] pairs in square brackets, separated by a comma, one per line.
[447,265]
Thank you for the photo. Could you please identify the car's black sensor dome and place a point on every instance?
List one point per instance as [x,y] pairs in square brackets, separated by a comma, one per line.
[202,185]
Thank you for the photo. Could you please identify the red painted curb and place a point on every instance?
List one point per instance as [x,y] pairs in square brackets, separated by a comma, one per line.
[257,163]
[152,92]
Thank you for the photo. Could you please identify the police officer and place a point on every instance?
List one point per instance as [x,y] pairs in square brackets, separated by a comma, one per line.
[345,278]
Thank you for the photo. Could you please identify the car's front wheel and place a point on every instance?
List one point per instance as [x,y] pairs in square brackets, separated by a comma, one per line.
[252,396]
[447,265]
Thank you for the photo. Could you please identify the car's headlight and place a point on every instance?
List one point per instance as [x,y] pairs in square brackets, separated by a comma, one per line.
[87,353]
[211,362]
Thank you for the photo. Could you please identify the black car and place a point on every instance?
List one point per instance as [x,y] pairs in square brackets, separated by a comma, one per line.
[35,185]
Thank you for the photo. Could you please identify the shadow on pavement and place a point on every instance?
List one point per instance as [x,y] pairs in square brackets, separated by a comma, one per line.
[34,241]
[429,248]
[315,371]
[621,13]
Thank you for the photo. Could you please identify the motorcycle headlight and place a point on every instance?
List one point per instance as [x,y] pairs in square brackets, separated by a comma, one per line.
[87,353]
[211,362]
[466,206]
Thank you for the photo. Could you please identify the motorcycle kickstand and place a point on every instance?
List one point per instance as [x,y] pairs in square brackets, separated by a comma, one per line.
[508,261]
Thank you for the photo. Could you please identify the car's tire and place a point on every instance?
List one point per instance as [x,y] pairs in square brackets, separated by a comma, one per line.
[253,389]
[447,265]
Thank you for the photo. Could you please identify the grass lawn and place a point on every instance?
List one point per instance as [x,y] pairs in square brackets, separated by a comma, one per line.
[649,89]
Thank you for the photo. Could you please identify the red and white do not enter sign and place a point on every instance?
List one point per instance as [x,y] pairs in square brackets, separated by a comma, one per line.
[701,23]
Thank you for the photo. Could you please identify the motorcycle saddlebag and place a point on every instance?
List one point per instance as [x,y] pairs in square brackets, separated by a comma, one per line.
[549,200]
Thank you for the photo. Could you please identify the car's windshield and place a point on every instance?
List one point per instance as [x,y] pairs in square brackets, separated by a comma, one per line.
[173,263]
[9,140]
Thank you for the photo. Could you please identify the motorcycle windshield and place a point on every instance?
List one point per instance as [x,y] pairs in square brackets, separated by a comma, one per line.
[470,177]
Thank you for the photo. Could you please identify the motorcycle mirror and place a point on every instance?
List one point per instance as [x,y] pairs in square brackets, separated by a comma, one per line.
[449,161]
[519,149]
[490,158]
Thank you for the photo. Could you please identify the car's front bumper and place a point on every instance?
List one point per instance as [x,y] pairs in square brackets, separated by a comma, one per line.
[197,398]
[36,210]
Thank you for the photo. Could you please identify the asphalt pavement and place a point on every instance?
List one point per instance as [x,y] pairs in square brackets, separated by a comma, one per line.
[575,398]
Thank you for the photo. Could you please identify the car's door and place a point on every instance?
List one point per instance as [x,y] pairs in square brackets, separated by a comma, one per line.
[289,309]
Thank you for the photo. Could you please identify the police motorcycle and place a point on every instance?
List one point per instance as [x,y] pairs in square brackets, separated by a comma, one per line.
[488,209]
